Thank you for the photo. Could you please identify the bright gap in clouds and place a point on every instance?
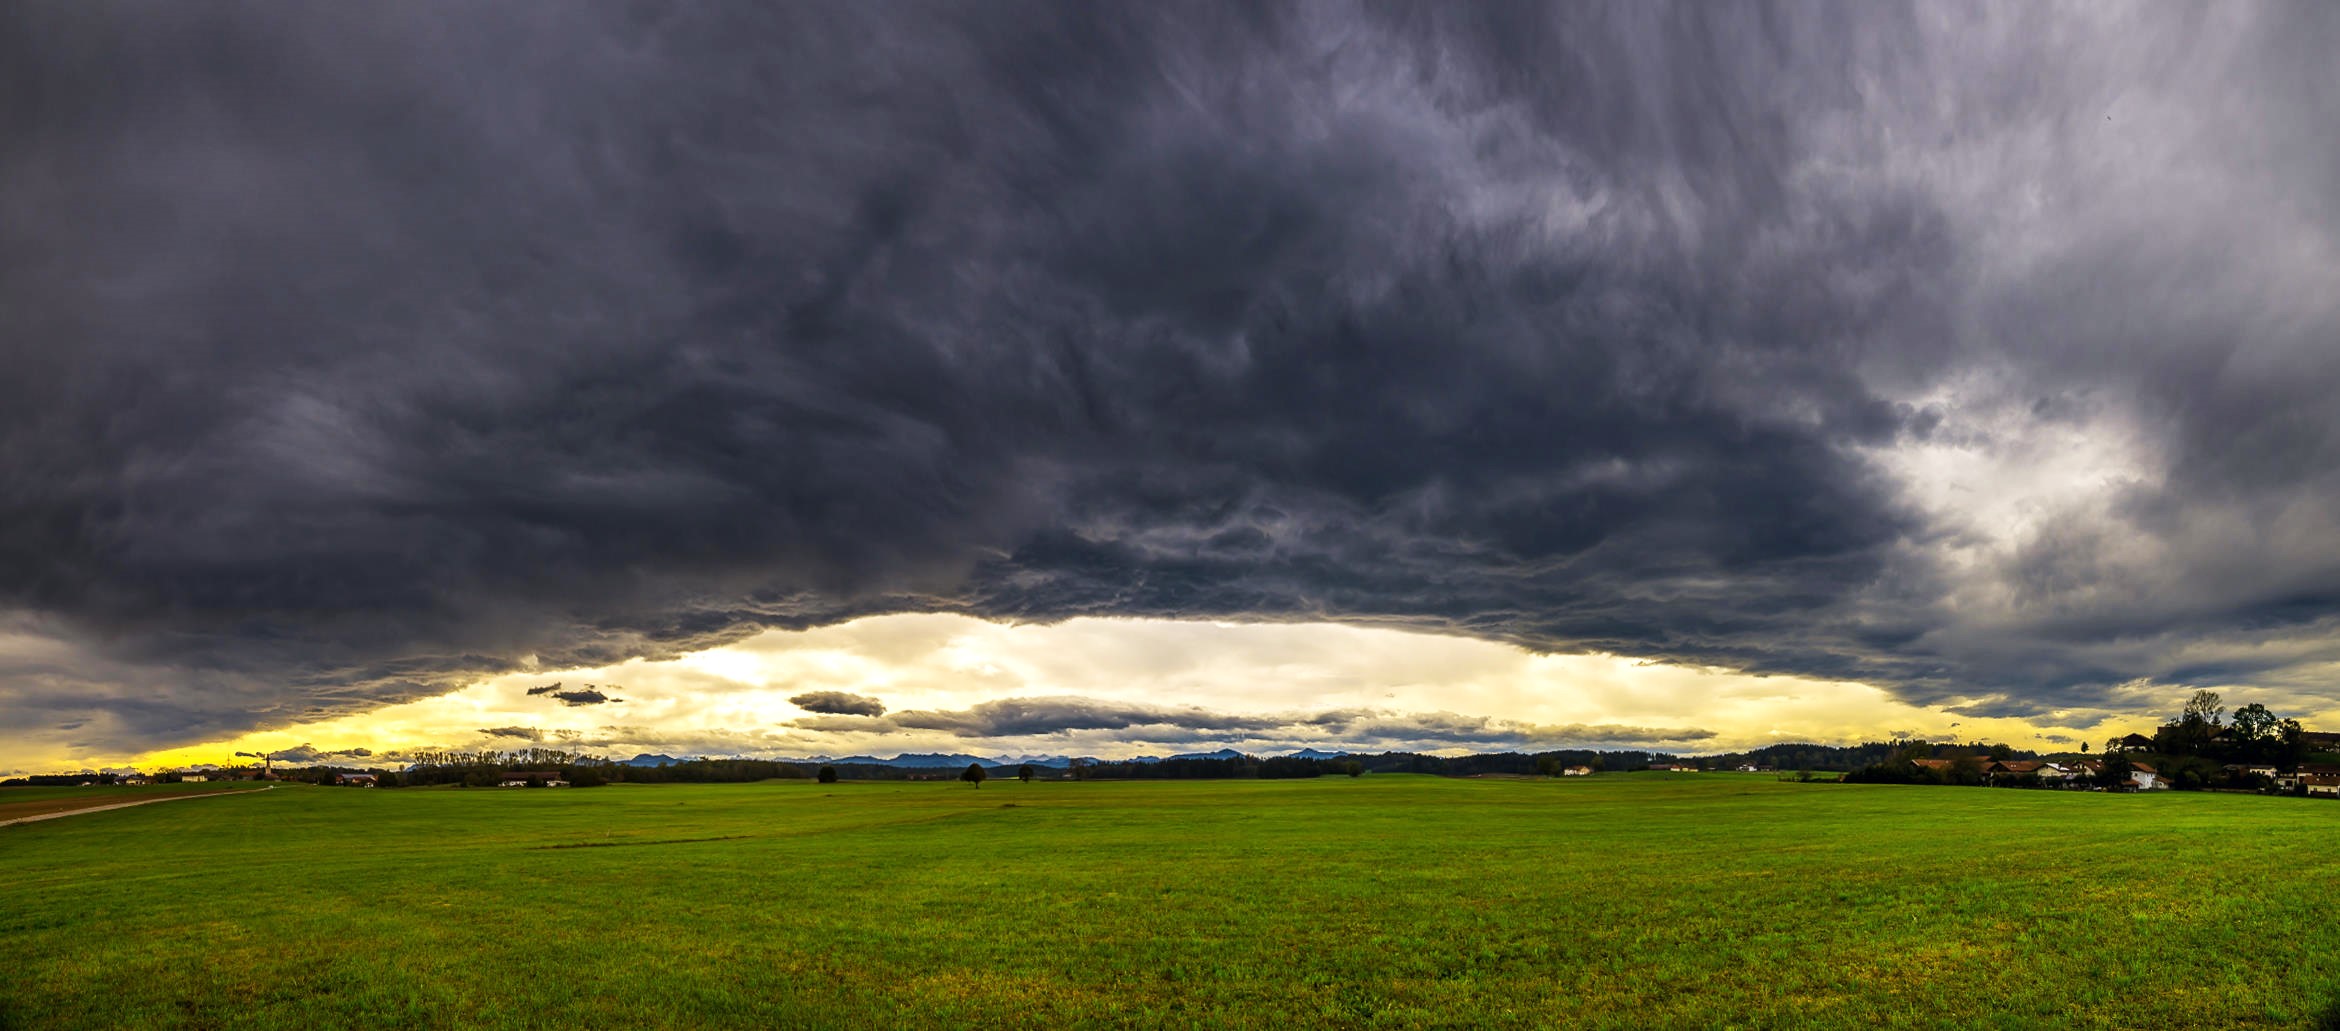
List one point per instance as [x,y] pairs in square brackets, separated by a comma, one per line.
[1104,687]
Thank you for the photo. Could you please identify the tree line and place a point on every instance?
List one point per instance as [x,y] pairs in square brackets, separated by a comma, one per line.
[2199,748]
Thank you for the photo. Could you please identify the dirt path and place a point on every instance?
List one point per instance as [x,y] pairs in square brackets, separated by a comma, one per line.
[126,805]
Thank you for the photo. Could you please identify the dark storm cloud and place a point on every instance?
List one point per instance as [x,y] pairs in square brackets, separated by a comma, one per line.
[1027,717]
[587,695]
[1446,728]
[307,753]
[842,703]
[356,351]
[1010,717]
[527,733]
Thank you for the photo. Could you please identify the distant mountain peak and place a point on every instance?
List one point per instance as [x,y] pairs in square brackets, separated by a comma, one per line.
[1224,753]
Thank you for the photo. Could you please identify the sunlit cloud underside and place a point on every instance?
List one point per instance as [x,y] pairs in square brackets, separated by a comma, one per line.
[1123,687]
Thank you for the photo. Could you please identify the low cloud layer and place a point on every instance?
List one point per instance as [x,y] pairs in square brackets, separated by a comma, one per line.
[358,352]
[307,753]
[843,703]
[1036,718]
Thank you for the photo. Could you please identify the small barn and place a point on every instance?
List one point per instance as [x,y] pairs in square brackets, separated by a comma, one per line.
[533,779]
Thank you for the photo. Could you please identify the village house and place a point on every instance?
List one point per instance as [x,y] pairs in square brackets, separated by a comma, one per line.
[363,780]
[533,779]
[2008,769]
[2142,776]
[2321,741]
[2134,743]
[193,778]
[2298,779]
[2326,785]
[1577,771]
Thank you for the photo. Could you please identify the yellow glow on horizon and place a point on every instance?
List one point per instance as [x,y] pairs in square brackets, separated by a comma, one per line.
[735,699]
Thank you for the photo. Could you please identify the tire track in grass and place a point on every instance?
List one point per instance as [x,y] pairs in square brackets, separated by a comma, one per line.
[125,805]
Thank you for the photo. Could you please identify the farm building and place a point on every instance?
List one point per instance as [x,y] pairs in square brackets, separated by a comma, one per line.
[1577,771]
[533,779]
[363,780]
[2010,768]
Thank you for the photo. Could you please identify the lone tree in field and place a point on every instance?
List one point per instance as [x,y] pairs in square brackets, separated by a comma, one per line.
[975,774]
[828,775]
[1024,773]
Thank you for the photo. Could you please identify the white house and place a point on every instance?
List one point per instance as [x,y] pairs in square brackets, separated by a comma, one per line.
[2146,777]
[1577,771]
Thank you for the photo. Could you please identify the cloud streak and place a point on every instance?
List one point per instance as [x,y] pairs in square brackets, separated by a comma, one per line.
[1046,716]
[843,703]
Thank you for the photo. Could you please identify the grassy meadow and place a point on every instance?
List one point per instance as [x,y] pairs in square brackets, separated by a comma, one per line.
[17,803]
[1625,901]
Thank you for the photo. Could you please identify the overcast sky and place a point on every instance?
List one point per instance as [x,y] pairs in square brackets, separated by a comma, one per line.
[1962,363]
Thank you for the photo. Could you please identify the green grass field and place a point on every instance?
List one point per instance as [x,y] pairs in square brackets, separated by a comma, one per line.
[23,802]
[1625,901]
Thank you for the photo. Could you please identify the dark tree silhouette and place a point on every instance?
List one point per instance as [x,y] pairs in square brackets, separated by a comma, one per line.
[828,775]
[1024,773]
[2115,771]
[975,774]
